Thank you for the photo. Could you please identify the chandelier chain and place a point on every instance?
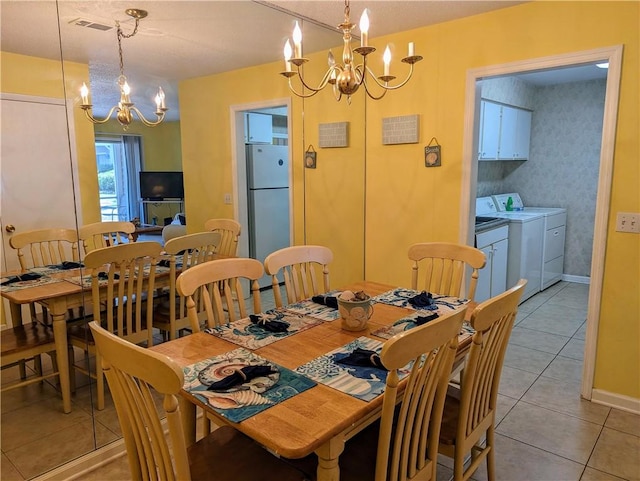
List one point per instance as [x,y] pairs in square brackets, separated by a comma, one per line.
[125,108]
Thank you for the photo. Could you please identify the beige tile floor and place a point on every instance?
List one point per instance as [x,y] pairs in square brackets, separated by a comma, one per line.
[545,432]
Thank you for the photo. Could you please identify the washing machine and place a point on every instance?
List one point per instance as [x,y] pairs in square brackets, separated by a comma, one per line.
[526,238]
[555,221]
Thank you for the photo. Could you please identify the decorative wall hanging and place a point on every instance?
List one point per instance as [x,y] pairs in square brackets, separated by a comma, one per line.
[400,130]
[310,158]
[432,154]
[334,134]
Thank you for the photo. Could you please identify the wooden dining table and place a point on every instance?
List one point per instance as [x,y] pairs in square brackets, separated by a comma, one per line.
[319,420]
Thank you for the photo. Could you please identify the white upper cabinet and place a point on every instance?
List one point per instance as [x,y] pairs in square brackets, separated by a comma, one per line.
[489,130]
[505,132]
[258,128]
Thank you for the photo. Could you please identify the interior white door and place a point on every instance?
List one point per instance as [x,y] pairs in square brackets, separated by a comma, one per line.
[37,182]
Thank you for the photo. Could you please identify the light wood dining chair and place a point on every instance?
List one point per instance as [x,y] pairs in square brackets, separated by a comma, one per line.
[214,291]
[229,230]
[44,247]
[440,267]
[170,314]
[301,266]
[105,234]
[403,445]
[134,375]
[470,411]
[123,280]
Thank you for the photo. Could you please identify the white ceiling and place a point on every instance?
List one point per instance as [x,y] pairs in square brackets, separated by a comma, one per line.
[185,39]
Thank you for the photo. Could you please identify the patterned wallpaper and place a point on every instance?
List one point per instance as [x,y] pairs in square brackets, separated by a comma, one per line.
[562,171]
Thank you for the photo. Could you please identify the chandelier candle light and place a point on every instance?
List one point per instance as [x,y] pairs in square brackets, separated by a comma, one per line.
[346,78]
[125,108]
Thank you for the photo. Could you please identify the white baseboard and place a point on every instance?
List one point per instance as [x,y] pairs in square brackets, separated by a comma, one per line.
[577,279]
[85,464]
[618,401]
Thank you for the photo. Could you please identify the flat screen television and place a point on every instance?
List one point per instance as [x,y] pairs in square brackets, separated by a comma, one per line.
[161,185]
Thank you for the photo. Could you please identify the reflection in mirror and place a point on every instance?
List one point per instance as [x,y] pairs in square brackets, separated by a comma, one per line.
[41,144]
[93,182]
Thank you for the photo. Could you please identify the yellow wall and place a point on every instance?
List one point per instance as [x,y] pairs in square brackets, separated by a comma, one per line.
[40,77]
[406,202]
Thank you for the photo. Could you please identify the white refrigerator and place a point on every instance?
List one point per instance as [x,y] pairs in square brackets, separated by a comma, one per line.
[268,203]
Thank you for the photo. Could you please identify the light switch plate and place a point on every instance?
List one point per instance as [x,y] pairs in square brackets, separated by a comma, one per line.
[628,222]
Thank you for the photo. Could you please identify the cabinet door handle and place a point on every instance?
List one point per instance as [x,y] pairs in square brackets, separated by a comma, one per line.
[556,233]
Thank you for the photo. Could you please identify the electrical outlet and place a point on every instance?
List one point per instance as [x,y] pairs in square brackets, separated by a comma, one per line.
[628,222]
[227,198]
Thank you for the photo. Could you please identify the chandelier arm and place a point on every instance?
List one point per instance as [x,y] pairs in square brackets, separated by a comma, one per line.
[323,83]
[370,94]
[146,122]
[96,120]
[391,87]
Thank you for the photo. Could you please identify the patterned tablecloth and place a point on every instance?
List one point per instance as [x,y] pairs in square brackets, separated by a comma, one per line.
[253,336]
[247,399]
[400,297]
[362,382]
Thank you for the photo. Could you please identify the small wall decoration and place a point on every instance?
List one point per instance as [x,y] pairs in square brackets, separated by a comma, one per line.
[335,134]
[310,158]
[432,154]
[401,130]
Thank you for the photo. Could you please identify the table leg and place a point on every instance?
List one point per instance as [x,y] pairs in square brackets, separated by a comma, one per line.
[16,314]
[188,412]
[328,456]
[62,355]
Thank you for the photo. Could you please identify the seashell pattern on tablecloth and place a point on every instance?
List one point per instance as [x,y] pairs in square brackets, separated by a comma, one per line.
[235,399]
[219,370]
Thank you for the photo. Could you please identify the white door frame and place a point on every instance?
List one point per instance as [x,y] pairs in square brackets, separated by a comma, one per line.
[613,55]
[238,166]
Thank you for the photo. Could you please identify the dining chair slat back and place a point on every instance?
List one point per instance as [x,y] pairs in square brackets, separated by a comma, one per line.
[135,375]
[123,280]
[440,267]
[229,231]
[42,247]
[300,267]
[105,234]
[214,291]
[408,442]
[170,315]
[470,410]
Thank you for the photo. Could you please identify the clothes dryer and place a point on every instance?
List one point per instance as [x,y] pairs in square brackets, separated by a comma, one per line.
[555,221]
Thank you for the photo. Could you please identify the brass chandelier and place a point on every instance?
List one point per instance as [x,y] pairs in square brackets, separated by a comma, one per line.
[345,78]
[125,108]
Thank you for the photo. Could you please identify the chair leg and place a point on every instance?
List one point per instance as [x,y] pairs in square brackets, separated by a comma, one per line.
[37,364]
[206,424]
[99,382]
[72,371]
[458,465]
[491,466]
[23,370]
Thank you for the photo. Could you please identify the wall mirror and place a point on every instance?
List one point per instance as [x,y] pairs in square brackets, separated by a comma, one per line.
[32,418]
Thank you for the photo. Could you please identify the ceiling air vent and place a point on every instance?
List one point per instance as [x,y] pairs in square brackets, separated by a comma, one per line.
[81,22]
